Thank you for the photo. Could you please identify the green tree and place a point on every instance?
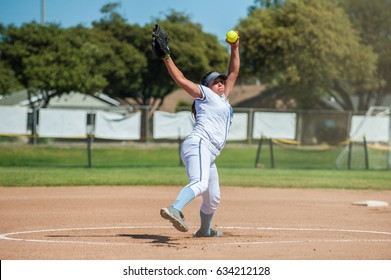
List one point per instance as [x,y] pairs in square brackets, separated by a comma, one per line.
[18,45]
[194,50]
[372,20]
[69,64]
[124,71]
[122,64]
[309,50]
[49,61]
[8,81]
[265,4]
[113,57]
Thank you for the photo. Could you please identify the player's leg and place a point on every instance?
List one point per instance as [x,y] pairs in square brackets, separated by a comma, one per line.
[198,168]
[211,200]
[196,158]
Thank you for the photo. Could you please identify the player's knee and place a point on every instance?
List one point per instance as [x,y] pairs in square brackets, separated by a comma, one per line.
[211,206]
[198,187]
[214,202]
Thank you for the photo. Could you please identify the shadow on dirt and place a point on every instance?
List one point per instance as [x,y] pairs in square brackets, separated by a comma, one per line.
[152,238]
[157,239]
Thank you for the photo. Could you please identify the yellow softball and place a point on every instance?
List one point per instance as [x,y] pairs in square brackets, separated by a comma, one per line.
[232,36]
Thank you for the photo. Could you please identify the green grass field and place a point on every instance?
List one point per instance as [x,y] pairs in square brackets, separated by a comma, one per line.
[43,165]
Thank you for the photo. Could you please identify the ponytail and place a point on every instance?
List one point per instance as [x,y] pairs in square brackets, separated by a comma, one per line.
[193,110]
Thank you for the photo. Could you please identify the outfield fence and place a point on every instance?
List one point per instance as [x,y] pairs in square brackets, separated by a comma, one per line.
[288,130]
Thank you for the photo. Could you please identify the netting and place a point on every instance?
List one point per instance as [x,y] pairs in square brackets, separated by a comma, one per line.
[368,146]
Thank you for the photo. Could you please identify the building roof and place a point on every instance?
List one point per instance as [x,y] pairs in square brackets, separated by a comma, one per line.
[73,99]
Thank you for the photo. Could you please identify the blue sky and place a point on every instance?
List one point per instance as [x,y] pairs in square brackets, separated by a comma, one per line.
[216,16]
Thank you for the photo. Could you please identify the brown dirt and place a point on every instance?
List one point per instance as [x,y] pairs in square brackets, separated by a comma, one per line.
[124,223]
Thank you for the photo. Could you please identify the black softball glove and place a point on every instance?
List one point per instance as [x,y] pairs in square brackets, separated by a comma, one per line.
[160,43]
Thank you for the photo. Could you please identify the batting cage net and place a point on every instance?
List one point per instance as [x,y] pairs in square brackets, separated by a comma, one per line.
[369,143]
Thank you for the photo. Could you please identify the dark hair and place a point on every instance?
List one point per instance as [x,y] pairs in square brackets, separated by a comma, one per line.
[203,79]
[193,110]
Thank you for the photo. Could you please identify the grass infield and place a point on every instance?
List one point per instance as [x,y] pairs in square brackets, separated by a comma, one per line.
[152,165]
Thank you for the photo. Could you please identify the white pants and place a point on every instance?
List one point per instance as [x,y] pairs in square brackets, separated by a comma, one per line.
[199,160]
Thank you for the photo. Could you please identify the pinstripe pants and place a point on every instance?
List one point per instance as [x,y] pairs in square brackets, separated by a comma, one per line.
[199,159]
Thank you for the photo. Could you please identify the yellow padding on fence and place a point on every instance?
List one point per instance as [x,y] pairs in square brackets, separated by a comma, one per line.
[345,142]
[286,141]
[296,145]
[379,147]
[19,135]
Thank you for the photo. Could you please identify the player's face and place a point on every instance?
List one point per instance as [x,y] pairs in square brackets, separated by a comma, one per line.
[217,86]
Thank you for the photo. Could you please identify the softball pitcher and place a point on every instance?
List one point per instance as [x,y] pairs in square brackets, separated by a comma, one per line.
[201,147]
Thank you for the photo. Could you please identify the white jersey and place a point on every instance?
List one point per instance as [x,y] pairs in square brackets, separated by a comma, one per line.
[213,117]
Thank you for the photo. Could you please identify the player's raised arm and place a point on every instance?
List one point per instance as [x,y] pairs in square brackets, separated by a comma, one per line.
[161,50]
[234,64]
[190,87]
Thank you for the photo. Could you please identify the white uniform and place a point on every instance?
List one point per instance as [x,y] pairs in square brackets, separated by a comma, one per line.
[202,146]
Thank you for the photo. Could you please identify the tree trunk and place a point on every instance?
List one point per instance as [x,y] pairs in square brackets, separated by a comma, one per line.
[345,97]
